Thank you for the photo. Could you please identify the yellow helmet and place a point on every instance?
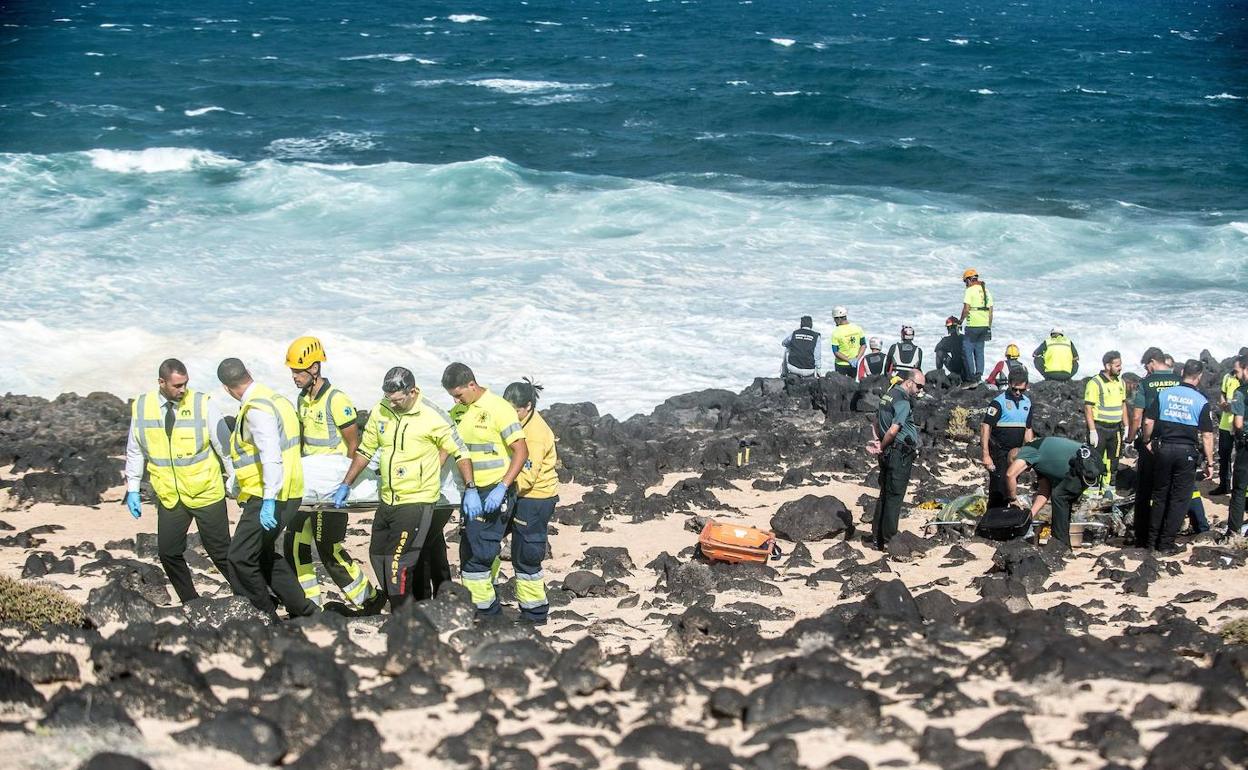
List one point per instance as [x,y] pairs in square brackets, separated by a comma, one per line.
[1011,351]
[304,352]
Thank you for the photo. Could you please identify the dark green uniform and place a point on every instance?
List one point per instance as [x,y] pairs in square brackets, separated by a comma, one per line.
[1145,396]
[1050,457]
[896,462]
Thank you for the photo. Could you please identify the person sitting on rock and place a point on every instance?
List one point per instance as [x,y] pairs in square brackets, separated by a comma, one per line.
[872,364]
[949,356]
[904,354]
[1056,358]
[999,376]
[802,356]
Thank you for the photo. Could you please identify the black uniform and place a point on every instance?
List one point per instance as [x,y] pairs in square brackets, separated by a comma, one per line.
[1145,395]
[1180,414]
[801,346]
[949,355]
[904,355]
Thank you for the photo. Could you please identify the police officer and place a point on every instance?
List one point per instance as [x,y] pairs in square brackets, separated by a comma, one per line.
[1226,433]
[896,443]
[409,434]
[904,354]
[977,312]
[1064,469]
[802,357]
[872,364]
[1056,358]
[491,430]
[1178,427]
[1158,378]
[1005,428]
[1239,470]
[847,340]
[327,427]
[182,439]
[949,352]
[264,449]
[1104,411]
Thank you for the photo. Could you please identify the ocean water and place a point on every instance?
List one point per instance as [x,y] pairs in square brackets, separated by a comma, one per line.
[624,200]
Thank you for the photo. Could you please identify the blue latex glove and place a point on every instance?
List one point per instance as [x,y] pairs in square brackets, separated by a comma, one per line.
[340,495]
[471,506]
[268,514]
[132,502]
[494,500]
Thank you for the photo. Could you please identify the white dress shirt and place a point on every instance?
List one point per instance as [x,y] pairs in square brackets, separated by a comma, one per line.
[218,436]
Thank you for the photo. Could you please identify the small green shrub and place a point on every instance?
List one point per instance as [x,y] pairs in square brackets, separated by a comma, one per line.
[36,604]
[1235,631]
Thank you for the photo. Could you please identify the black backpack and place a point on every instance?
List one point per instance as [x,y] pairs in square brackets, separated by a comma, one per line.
[1086,465]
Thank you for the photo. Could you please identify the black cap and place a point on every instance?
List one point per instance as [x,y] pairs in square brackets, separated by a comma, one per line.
[1152,354]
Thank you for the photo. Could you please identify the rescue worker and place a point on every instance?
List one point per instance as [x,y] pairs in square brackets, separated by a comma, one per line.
[895,444]
[1226,431]
[327,427]
[409,432]
[999,377]
[1005,428]
[1239,469]
[1064,469]
[537,494]
[904,354]
[847,340]
[1105,413]
[496,444]
[1056,358]
[976,315]
[949,350]
[1178,428]
[264,450]
[872,364]
[1159,378]
[802,354]
[179,435]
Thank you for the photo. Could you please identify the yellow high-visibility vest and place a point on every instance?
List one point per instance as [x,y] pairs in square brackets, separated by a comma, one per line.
[182,466]
[246,455]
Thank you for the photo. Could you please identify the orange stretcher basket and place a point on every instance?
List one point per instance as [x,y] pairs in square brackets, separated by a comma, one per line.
[736,543]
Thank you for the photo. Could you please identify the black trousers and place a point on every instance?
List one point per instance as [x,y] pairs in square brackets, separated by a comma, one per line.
[1064,495]
[996,478]
[1109,444]
[1239,487]
[1226,450]
[1143,493]
[172,525]
[895,466]
[1174,478]
[259,566]
[433,568]
[399,536]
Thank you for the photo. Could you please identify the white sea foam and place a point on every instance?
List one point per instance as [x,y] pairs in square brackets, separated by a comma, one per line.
[622,265]
[541,101]
[1082,90]
[983,91]
[317,146]
[464,18]
[394,57]
[195,113]
[783,41]
[156,160]
[1224,95]
[958,41]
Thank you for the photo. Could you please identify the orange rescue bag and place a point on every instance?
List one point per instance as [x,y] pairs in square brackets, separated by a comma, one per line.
[734,543]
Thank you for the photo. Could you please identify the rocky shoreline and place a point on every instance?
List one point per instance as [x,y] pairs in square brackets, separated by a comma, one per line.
[945,652]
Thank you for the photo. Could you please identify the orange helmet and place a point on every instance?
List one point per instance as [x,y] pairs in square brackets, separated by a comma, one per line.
[970,272]
[304,352]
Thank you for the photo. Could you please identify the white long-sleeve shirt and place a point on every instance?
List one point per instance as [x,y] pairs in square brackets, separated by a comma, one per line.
[267,438]
[218,436]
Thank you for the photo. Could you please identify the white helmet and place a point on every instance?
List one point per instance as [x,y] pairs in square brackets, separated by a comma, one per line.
[840,312]
[874,343]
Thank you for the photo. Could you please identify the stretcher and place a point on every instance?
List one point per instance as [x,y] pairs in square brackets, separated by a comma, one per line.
[323,473]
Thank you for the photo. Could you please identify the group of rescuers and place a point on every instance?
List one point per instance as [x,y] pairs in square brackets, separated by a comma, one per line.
[959,353]
[1164,416]
[501,447]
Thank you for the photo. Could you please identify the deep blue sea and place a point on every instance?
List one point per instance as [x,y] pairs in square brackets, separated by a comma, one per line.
[624,199]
